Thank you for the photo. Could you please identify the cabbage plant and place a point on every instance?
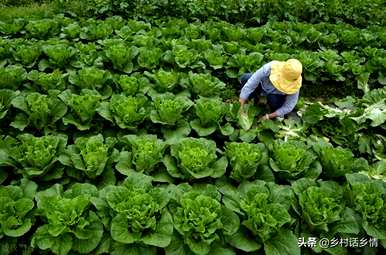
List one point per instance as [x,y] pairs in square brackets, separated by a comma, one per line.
[264,209]
[91,155]
[245,159]
[136,213]
[31,155]
[120,55]
[47,81]
[368,199]
[131,85]
[12,76]
[42,28]
[26,53]
[39,110]
[68,221]
[16,209]
[95,30]
[164,81]
[126,111]
[169,108]
[215,57]
[59,56]
[144,154]
[201,221]
[294,159]
[89,78]
[323,208]
[205,84]
[12,27]
[195,158]
[6,96]
[149,57]
[210,113]
[82,108]
[338,161]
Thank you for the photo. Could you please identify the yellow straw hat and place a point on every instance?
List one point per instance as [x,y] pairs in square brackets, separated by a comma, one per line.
[286,76]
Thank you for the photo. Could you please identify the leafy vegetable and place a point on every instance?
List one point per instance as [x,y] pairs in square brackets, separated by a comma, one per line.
[47,81]
[205,84]
[210,113]
[59,56]
[95,30]
[16,205]
[126,112]
[149,57]
[264,209]
[368,198]
[165,81]
[169,108]
[200,219]
[89,78]
[92,155]
[131,85]
[42,28]
[6,97]
[294,159]
[32,156]
[146,152]
[39,110]
[139,213]
[338,161]
[323,207]
[195,158]
[11,77]
[69,222]
[245,159]
[26,54]
[83,107]
[120,56]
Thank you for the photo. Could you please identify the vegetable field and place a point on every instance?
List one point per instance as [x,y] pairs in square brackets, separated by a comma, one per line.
[121,134]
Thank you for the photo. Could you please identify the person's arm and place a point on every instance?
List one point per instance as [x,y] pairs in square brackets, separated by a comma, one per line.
[288,106]
[252,83]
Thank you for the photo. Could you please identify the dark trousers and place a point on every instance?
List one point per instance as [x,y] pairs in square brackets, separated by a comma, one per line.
[274,101]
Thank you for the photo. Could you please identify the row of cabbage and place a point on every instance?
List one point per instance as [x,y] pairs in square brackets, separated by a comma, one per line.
[351,69]
[340,36]
[57,157]
[139,216]
[174,115]
[252,12]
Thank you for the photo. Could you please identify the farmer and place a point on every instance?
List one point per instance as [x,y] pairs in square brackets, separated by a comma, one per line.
[280,81]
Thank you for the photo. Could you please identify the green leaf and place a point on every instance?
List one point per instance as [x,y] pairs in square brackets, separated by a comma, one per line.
[227,129]
[243,241]
[177,247]
[348,223]
[231,222]
[219,167]
[171,167]
[124,162]
[284,243]
[202,131]
[120,230]
[21,122]
[163,233]
[104,111]
[10,224]
[59,245]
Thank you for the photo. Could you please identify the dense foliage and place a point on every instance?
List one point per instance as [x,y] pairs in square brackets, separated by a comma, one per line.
[124,136]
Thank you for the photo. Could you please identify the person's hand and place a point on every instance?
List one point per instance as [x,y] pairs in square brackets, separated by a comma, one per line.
[264,117]
[243,113]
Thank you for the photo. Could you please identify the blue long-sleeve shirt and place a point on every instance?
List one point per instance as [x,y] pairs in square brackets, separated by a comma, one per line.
[261,77]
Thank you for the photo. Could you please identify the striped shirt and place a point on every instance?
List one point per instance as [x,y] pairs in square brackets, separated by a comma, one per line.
[261,77]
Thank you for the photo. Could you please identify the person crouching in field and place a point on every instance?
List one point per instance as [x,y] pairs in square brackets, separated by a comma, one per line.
[279,81]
